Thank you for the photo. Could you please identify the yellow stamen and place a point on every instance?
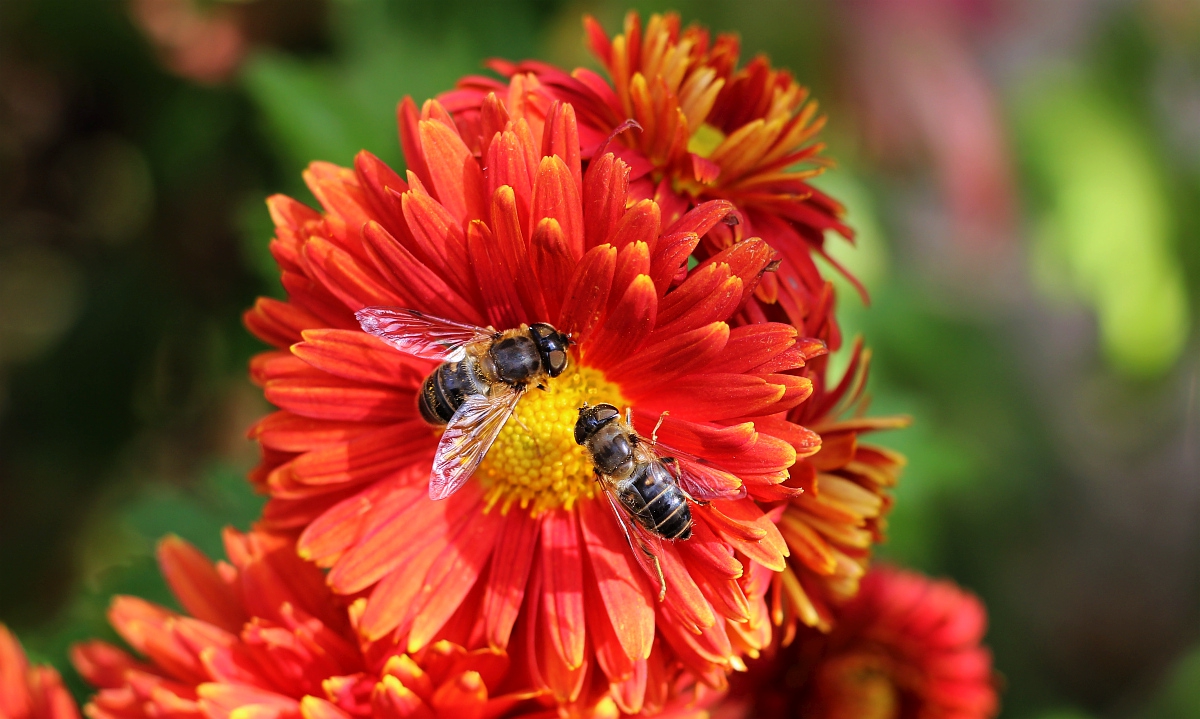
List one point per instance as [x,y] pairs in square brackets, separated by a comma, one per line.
[535,462]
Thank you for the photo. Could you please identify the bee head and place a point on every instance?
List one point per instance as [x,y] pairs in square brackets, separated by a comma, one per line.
[592,419]
[552,346]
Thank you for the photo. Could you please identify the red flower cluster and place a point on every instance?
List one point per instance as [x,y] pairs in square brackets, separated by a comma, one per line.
[677,251]
[266,638]
[905,647]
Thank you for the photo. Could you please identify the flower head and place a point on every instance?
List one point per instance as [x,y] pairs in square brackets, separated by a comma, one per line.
[266,638]
[706,129]
[498,223]
[30,692]
[906,647]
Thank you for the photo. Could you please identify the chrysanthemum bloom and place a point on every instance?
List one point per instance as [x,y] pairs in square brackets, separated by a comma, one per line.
[30,692]
[266,638]
[907,647]
[708,130]
[832,526]
[503,227]
[711,130]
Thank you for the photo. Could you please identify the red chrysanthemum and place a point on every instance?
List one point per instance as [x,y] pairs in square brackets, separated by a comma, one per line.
[906,647]
[708,130]
[501,225]
[267,639]
[27,692]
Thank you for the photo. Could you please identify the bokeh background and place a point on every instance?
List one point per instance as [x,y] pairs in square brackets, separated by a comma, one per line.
[1024,176]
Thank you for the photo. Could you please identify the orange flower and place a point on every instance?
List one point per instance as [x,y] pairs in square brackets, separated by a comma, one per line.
[30,692]
[708,130]
[502,225]
[832,526]
[266,638]
[906,647]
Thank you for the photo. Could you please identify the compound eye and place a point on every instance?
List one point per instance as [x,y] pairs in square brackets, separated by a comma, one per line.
[605,412]
[558,362]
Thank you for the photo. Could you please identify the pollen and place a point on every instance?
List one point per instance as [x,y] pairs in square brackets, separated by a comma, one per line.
[535,463]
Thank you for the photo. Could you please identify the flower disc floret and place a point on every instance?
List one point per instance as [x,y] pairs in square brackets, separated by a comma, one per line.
[535,463]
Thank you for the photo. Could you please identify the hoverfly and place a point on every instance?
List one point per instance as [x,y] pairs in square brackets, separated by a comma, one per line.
[476,388]
[648,491]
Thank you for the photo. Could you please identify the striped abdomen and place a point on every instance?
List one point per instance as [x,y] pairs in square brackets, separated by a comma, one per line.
[654,499]
[447,388]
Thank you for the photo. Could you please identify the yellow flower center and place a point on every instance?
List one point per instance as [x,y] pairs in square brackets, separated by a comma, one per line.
[858,686]
[535,462]
[705,140]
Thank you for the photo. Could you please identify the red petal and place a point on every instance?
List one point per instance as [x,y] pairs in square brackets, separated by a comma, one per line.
[627,326]
[513,161]
[587,294]
[632,260]
[703,217]
[354,284]
[555,195]
[641,223]
[750,346]
[196,584]
[496,285]
[400,539]
[683,599]
[362,357]
[278,323]
[454,173]
[343,525]
[391,600]
[366,457]
[337,399]
[505,590]
[423,288]
[606,187]
[562,589]
[407,119]
[510,241]
[464,696]
[560,137]
[392,700]
[441,238]
[671,358]
[708,295]
[553,263]
[714,396]
[670,254]
[452,576]
[619,579]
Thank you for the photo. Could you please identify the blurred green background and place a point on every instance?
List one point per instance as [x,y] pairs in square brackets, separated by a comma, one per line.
[1024,176]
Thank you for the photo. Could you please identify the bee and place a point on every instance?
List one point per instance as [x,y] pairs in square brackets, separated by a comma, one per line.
[476,388]
[649,486]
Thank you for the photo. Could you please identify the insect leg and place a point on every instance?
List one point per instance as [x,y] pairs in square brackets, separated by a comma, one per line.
[654,434]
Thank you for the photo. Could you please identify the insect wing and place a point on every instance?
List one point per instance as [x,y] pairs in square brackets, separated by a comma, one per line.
[646,546]
[418,334]
[468,437]
[698,477]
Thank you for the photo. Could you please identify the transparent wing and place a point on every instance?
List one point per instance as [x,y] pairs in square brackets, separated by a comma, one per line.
[418,334]
[468,437]
[646,546]
[700,478]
